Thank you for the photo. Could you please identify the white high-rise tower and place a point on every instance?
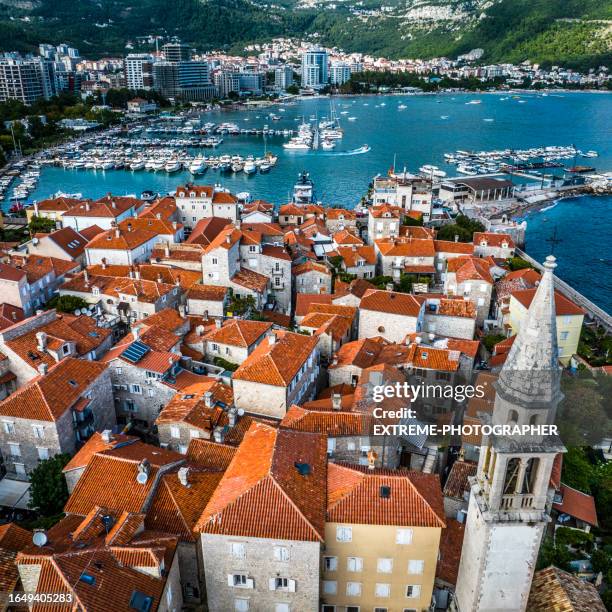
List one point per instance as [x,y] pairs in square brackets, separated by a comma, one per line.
[507,512]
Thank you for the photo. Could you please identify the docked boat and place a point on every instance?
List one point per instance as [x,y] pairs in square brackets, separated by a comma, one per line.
[249,167]
[264,167]
[137,165]
[328,145]
[172,166]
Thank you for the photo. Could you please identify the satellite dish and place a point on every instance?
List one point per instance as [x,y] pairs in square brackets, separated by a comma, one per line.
[142,478]
[240,411]
[77,312]
[39,538]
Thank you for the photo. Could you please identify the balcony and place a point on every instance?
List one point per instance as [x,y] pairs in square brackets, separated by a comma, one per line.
[517,502]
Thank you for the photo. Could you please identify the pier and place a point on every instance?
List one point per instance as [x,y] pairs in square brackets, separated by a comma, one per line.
[594,312]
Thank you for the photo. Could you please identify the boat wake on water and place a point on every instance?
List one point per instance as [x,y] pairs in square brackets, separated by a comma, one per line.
[359,151]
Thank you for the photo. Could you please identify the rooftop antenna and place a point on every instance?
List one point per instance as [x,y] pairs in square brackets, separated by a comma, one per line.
[554,241]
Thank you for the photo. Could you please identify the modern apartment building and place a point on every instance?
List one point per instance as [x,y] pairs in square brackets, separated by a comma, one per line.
[139,71]
[314,68]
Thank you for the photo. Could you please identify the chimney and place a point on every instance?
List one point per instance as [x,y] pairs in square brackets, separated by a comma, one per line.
[159,278]
[372,456]
[182,311]
[183,476]
[42,369]
[144,468]
[117,232]
[14,315]
[104,263]
[137,273]
[228,239]
[114,204]
[218,323]
[200,330]
[336,401]
[174,225]
[129,227]
[389,286]
[86,276]
[205,316]
[87,206]
[334,360]
[177,280]
[131,272]
[158,216]
[136,332]
[232,415]
[41,341]
[167,249]
[208,399]
[106,436]
[36,207]
[218,435]
[456,237]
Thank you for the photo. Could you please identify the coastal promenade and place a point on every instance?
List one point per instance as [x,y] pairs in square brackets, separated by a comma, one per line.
[594,312]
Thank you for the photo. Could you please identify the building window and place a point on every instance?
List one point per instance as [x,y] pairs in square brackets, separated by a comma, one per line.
[136,389]
[241,581]
[43,453]
[328,608]
[214,261]
[382,589]
[403,536]
[281,607]
[15,450]
[331,446]
[354,564]
[281,553]
[194,433]
[330,587]
[353,589]
[241,605]
[413,590]
[214,348]
[118,371]
[9,427]
[238,550]
[330,564]
[564,335]
[344,534]
[175,432]
[415,566]
[384,566]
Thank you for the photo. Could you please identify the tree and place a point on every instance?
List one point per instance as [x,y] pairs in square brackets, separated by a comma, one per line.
[490,340]
[550,554]
[67,303]
[518,263]
[49,493]
[41,225]
[293,90]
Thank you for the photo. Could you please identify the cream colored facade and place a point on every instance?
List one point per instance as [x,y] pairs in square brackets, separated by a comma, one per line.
[568,329]
[374,571]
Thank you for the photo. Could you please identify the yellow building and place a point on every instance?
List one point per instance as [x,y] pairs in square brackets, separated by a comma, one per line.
[53,208]
[381,540]
[569,320]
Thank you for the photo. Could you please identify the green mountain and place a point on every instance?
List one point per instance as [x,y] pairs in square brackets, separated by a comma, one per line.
[572,32]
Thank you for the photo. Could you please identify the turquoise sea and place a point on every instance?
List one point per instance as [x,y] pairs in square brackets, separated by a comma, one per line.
[419,134]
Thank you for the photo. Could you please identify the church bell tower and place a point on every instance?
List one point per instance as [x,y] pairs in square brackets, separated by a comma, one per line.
[507,512]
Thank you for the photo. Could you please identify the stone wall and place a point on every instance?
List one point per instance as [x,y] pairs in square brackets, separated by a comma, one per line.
[260,566]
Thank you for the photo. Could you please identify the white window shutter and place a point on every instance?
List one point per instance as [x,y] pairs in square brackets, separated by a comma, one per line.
[272,584]
[250,583]
[291,586]
[230,580]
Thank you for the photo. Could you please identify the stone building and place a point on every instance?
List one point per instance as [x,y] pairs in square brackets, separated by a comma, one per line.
[389,314]
[282,370]
[312,277]
[489,244]
[196,202]
[207,300]
[384,222]
[235,339]
[405,256]
[54,413]
[261,536]
[358,260]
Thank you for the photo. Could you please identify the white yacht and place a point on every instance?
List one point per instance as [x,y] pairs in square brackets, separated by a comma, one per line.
[249,167]
[172,166]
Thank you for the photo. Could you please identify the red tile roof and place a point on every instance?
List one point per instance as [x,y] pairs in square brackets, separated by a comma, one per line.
[457,484]
[390,302]
[563,305]
[12,540]
[493,239]
[238,332]
[46,398]
[354,496]
[406,247]
[94,445]
[451,544]
[577,504]
[304,300]
[277,360]
[448,246]
[263,493]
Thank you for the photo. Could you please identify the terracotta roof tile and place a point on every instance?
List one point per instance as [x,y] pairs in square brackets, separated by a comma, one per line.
[277,361]
[263,494]
[493,239]
[12,540]
[457,482]
[451,544]
[47,397]
[250,280]
[354,496]
[390,302]
[94,445]
[209,454]
[304,300]
[239,332]
[563,305]
[406,247]
[577,504]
